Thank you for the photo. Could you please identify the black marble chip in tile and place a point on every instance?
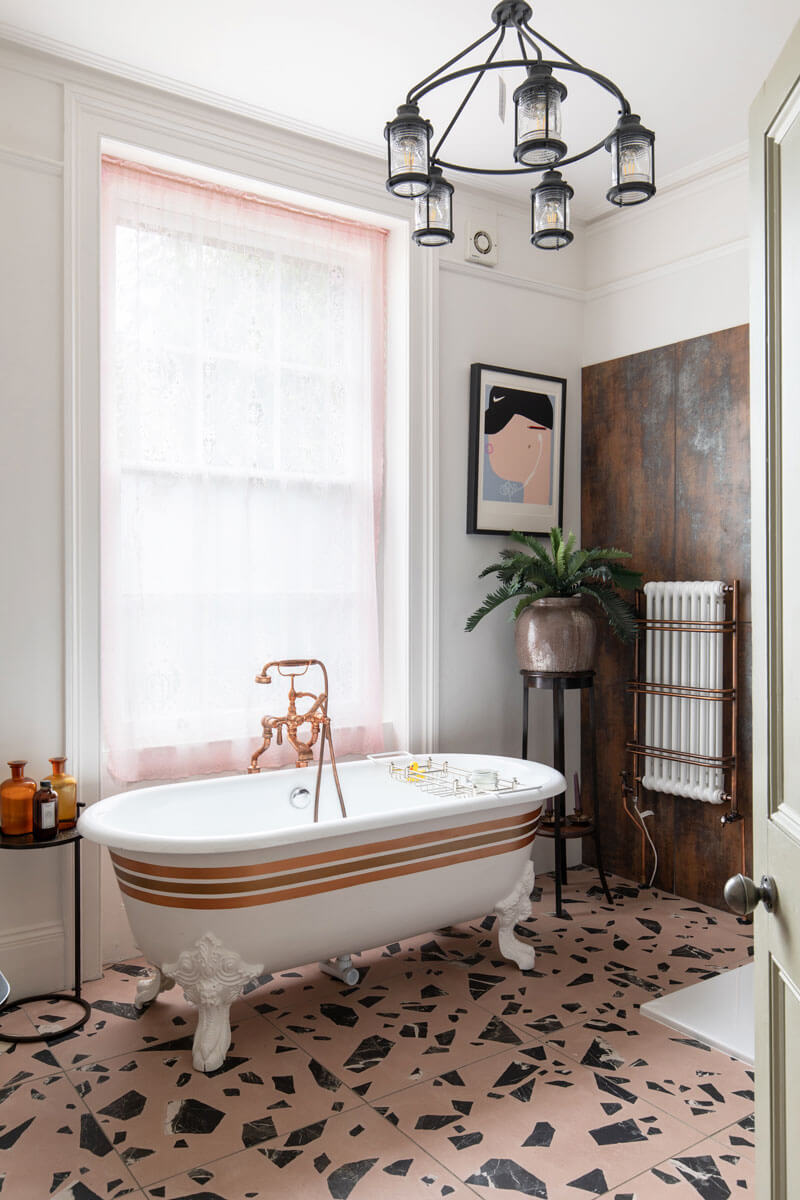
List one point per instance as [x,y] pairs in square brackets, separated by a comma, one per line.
[342,1181]
[503,1174]
[617,1134]
[593,1182]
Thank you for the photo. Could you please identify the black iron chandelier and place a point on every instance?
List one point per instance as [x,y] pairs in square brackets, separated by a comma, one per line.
[416,171]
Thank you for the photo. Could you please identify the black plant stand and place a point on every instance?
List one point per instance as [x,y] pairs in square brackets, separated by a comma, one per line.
[63,838]
[562,829]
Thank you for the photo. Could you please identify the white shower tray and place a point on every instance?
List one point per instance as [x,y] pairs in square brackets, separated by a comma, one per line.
[718,1011]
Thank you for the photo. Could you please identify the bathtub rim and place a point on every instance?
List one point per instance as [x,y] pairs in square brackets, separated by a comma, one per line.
[95,826]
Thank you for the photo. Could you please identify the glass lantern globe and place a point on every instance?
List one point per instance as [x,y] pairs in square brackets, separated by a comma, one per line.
[408,139]
[632,162]
[550,212]
[537,119]
[433,216]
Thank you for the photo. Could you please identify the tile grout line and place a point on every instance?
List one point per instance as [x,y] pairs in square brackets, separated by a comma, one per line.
[654,1103]
[408,968]
[420,1082]
[631,1178]
[123,1165]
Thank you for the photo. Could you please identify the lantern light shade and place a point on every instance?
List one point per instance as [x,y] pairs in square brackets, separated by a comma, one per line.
[537,118]
[550,212]
[408,138]
[433,223]
[632,162]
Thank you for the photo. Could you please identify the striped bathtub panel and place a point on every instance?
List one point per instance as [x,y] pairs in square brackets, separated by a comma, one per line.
[244,886]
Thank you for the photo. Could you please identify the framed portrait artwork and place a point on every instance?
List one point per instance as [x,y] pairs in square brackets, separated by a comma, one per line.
[516,450]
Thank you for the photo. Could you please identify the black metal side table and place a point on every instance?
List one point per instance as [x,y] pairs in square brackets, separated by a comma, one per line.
[559,827]
[63,838]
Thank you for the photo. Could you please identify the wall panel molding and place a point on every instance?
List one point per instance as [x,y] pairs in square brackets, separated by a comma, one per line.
[690,262]
[517,281]
[31,162]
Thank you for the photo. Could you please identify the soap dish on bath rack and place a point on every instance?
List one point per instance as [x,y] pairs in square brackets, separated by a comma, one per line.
[442,779]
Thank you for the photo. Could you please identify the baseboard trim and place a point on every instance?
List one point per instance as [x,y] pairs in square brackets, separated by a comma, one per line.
[32,958]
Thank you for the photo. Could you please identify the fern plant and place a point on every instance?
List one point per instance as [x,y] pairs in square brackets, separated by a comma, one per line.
[557,569]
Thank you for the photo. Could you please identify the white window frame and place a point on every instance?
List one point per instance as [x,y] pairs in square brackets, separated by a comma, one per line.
[275,161]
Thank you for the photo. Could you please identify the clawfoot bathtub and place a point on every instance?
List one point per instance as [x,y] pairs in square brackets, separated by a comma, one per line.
[227,878]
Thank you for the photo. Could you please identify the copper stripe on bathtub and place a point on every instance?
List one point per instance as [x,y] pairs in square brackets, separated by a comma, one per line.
[202,902]
[269,881]
[168,871]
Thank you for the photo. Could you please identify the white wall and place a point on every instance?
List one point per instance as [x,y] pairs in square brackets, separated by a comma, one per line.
[674,268]
[31,469]
[484,316]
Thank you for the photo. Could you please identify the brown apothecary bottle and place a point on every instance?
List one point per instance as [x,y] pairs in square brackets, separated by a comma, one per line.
[45,812]
[66,789]
[16,801]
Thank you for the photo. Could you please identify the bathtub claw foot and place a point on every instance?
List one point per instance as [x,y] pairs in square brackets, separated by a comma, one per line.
[212,978]
[147,989]
[341,968]
[516,907]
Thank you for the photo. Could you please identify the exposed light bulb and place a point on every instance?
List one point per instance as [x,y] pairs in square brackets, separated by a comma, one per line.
[534,115]
[409,148]
[551,214]
[632,162]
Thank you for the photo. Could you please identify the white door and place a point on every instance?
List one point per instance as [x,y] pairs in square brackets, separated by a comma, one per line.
[775,428]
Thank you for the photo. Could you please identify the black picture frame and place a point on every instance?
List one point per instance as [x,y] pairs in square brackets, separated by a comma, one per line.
[529,405]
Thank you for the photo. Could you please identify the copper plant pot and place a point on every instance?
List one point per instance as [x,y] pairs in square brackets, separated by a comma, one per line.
[556,634]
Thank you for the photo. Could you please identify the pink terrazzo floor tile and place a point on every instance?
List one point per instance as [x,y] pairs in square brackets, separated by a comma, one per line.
[393,1034]
[711,1091]
[740,1138]
[115,1025]
[443,1001]
[165,1118]
[583,892]
[25,1060]
[52,1145]
[534,1124]
[355,1154]
[703,1172]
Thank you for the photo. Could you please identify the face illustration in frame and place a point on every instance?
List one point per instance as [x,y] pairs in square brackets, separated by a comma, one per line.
[518,429]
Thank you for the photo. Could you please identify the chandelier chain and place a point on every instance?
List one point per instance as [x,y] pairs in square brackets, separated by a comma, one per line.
[466,99]
[415,90]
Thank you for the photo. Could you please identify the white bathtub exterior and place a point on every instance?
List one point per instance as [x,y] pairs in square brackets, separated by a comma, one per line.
[232,866]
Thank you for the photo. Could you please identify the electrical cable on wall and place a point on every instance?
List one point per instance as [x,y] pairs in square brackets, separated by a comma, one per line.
[641,816]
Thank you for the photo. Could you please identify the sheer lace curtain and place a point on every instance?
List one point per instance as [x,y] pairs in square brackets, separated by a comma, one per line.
[241,449]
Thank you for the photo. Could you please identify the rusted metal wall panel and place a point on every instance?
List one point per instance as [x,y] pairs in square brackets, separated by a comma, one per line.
[666,475]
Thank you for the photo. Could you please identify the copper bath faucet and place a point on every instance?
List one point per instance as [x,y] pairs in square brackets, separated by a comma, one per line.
[315,716]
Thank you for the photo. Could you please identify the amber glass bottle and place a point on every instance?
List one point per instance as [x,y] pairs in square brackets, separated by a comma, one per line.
[66,789]
[16,801]
[45,812]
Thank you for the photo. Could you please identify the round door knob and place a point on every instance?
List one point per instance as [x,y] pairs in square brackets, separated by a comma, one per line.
[743,894]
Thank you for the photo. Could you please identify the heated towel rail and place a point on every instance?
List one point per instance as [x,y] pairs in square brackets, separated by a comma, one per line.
[685,690]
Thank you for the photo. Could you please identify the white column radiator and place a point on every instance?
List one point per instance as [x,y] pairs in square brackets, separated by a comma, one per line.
[683,663]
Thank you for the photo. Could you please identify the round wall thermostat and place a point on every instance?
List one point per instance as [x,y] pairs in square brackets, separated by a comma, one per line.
[483,241]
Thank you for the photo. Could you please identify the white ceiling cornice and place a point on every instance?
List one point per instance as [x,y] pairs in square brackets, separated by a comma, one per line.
[730,163]
[45,48]
[17,36]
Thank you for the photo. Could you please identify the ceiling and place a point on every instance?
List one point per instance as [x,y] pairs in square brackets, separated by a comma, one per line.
[690,68]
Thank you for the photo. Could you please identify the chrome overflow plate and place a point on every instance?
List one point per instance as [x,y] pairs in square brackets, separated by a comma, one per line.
[299,797]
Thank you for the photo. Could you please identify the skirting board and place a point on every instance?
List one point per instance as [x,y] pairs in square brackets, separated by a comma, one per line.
[718,1011]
